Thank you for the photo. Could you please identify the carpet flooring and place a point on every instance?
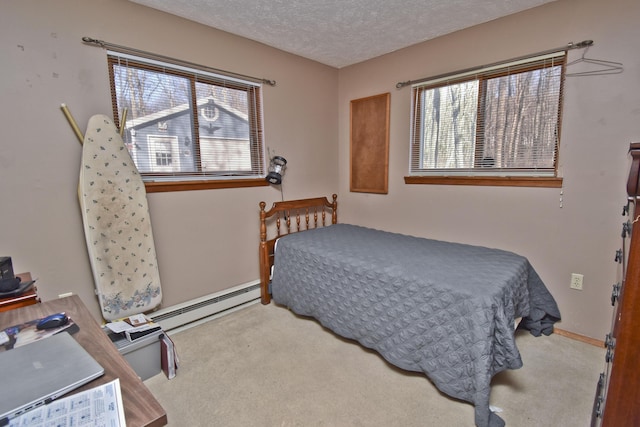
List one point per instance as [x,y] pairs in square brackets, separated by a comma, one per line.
[265,366]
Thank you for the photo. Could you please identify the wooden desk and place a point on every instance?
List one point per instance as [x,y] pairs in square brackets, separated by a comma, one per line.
[140,407]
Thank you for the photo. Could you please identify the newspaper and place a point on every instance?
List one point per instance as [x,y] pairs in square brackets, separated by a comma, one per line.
[100,406]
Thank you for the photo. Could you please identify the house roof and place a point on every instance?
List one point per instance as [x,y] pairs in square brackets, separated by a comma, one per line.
[170,112]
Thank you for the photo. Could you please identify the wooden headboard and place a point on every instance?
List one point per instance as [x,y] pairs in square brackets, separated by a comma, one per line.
[297,215]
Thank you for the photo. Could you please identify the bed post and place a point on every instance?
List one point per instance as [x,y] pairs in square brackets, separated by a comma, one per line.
[265,298]
[334,209]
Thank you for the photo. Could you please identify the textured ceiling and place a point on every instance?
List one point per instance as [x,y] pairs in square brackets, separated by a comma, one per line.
[340,32]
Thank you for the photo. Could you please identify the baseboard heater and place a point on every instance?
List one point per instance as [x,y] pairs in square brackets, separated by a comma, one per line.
[206,308]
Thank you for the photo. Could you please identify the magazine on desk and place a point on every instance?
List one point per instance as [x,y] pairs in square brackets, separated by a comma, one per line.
[100,406]
[25,333]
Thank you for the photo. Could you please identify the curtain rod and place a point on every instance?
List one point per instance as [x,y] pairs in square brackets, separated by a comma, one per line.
[124,49]
[581,45]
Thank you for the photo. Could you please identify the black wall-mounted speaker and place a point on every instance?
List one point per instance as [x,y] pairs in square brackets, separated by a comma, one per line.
[6,268]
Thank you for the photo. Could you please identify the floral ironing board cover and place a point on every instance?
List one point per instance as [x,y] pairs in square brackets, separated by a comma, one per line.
[117,224]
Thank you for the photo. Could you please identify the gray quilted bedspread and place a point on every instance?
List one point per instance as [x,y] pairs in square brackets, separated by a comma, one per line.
[445,309]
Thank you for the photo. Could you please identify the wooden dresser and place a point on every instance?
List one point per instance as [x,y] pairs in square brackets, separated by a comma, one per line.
[617,402]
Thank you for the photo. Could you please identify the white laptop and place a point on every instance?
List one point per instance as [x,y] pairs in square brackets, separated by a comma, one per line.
[42,371]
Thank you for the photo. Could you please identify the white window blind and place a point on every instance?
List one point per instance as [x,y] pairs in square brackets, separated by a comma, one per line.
[187,124]
[501,120]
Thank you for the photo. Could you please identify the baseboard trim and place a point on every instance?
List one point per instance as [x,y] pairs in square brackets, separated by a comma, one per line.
[578,337]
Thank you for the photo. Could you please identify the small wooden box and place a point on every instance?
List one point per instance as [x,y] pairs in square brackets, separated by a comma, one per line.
[28,298]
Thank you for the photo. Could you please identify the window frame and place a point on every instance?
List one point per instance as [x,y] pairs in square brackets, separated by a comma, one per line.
[477,175]
[199,180]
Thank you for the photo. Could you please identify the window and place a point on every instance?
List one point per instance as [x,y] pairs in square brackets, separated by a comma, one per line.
[498,122]
[162,151]
[188,128]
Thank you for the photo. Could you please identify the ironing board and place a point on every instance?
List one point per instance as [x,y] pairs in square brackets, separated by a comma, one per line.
[117,225]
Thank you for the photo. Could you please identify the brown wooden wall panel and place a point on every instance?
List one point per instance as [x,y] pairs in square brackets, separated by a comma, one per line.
[370,144]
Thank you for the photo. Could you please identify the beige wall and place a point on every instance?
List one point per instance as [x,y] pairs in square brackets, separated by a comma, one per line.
[600,120]
[207,240]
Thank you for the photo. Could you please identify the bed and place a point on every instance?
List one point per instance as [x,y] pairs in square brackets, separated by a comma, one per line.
[445,309]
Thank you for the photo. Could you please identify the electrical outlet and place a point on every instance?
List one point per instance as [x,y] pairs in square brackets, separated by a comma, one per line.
[576,281]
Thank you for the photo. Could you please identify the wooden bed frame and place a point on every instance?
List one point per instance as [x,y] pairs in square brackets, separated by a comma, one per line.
[305,214]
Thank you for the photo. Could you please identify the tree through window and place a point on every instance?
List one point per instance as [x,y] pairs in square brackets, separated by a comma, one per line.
[499,121]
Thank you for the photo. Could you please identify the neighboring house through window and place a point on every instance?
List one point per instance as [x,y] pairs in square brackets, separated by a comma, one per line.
[187,126]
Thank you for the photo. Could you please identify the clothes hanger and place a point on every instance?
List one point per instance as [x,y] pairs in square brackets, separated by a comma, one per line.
[605,67]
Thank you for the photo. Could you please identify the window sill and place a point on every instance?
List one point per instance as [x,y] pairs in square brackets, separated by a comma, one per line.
[166,186]
[495,181]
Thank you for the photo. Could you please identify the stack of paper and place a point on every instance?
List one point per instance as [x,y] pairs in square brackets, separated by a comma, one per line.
[134,327]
